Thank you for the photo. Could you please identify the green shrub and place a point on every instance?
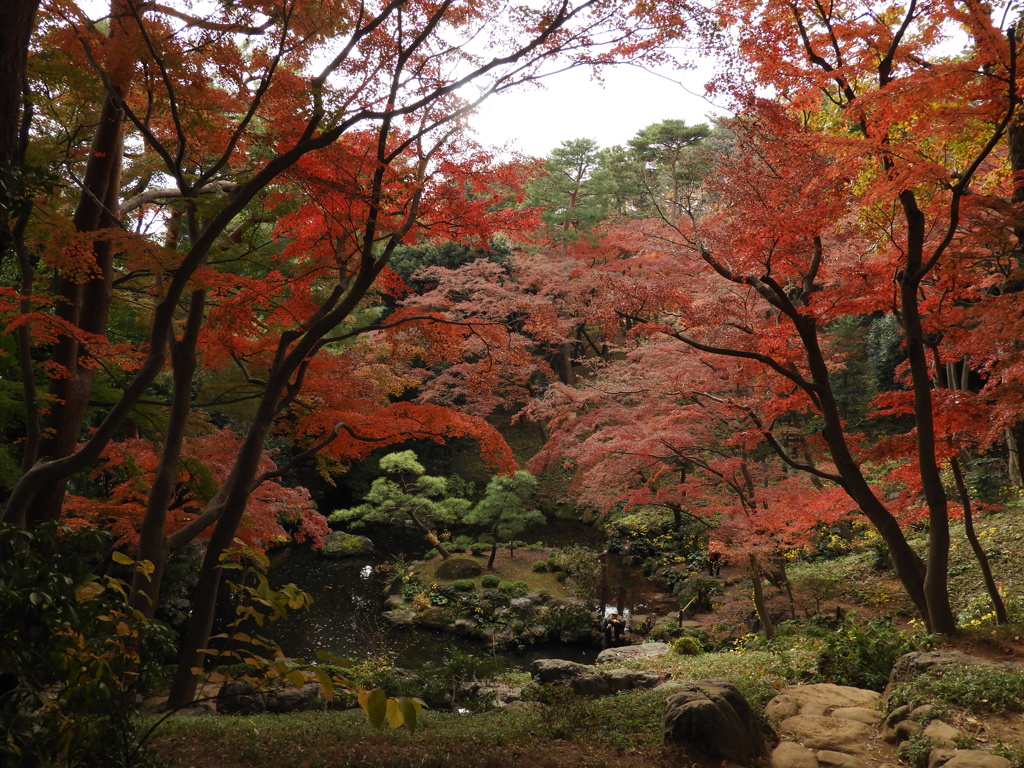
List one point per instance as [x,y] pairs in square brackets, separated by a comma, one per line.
[489,581]
[464,585]
[862,654]
[443,680]
[699,589]
[479,548]
[520,588]
[73,654]
[539,567]
[572,619]
[461,544]
[564,714]
[507,587]
[977,689]
[688,646]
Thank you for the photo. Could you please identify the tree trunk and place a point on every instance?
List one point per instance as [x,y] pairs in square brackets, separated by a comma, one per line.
[1015,454]
[759,604]
[494,553]
[152,540]
[85,305]
[17,19]
[979,551]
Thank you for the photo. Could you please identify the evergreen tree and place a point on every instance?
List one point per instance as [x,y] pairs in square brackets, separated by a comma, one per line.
[507,509]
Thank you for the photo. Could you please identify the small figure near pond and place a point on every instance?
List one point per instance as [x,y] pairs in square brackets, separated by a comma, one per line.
[714,562]
[614,628]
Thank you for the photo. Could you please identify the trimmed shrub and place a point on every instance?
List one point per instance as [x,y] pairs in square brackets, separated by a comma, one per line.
[539,567]
[489,581]
[461,544]
[688,646]
[464,585]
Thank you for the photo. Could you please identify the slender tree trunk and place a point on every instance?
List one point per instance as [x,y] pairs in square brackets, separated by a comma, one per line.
[152,540]
[494,553]
[759,604]
[979,552]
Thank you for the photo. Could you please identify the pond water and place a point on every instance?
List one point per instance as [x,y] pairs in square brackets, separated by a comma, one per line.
[348,602]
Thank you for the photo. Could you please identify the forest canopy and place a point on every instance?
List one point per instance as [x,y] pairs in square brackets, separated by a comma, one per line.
[248,247]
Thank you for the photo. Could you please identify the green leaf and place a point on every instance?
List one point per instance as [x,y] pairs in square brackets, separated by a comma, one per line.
[374,703]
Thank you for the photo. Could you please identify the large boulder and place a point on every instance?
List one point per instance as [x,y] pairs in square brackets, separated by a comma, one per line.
[339,544]
[711,718]
[237,697]
[551,670]
[626,652]
[459,568]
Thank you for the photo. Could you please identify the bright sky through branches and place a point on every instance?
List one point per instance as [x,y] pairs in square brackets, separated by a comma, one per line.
[573,105]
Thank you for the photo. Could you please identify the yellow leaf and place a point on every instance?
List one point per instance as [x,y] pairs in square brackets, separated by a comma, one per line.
[87,591]
[121,558]
[395,715]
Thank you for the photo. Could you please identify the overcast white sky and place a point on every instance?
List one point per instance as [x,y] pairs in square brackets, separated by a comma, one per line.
[573,106]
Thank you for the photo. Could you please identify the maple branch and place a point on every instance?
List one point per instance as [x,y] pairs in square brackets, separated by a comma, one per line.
[270,475]
[817,59]
[411,319]
[774,441]
[885,65]
[766,360]
[254,104]
[960,188]
[173,193]
[212,26]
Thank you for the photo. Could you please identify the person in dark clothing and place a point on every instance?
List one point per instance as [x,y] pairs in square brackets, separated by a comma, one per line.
[613,631]
[714,562]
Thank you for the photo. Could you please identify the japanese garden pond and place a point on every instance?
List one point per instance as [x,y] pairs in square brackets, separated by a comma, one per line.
[346,617]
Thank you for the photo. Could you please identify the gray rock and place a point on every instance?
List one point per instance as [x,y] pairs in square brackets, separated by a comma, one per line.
[789,754]
[550,670]
[922,713]
[590,684]
[860,714]
[618,679]
[401,618]
[339,544]
[670,687]
[965,758]
[522,607]
[943,734]
[712,718]
[629,679]
[237,697]
[822,732]
[436,617]
[459,568]
[905,729]
[642,651]
[839,759]
[463,627]
[898,714]
[819,699]
[294,699]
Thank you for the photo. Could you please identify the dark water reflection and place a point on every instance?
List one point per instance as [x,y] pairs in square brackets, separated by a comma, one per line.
[348,600]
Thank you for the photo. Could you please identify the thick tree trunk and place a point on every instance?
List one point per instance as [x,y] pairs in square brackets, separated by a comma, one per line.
[85,304]
[17,19]
[940,616]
